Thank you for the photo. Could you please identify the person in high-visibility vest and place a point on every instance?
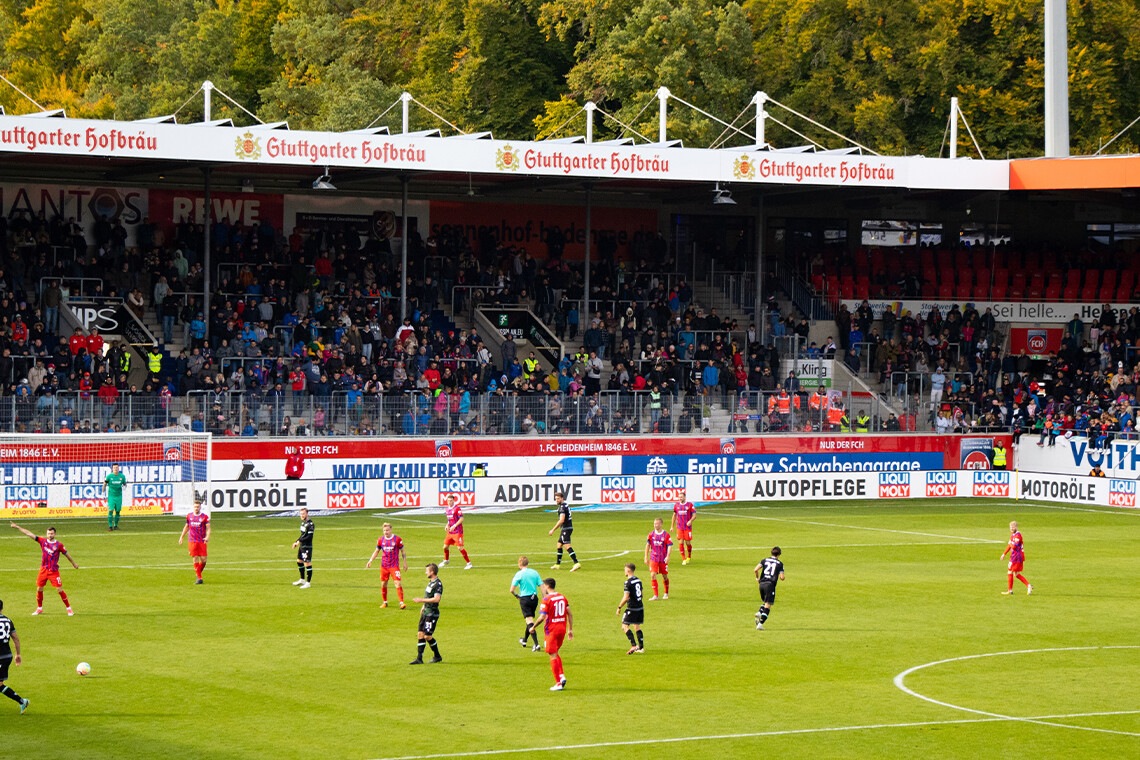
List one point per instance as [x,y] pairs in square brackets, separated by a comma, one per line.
[845,423]
[817,405]
[654,405]
[834,417]
[999,456]
[530,364]
[862,423]
[125,361]
[154,360]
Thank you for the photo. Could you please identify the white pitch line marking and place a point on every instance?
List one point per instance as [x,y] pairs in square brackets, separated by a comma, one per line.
[858,527]
[901,677]
[756,734]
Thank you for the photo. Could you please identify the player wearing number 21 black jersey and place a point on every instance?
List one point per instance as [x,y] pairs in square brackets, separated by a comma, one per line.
[8,641]
[634,602]
[769,572]
[429,615]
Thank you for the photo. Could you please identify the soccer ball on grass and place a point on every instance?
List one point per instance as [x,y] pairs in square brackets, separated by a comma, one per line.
[82,668]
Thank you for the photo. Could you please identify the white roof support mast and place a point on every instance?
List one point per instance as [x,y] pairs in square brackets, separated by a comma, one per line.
[759,99]
[662,110]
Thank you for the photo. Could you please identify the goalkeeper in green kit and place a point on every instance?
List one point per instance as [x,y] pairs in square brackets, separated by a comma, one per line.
[113,490]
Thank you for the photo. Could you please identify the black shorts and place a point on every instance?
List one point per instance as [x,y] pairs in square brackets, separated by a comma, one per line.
[305,554]
[564,536]
[427,625]
[528,605]
[767,592]
[4,663]
[633,617]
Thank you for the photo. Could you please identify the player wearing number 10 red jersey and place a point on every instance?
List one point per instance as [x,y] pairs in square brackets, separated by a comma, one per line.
[391,551]
[198,526]
[657,549]
[454,535]
[1016,551]
[559,626]
[50,550]
[683,514]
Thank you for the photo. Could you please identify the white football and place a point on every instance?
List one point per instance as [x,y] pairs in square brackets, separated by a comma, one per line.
[82,668]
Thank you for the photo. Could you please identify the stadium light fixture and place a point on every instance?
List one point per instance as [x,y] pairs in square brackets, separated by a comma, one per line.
[722,196]
[324,182]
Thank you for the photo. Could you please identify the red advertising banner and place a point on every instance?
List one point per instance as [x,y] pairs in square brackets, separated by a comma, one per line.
[529,227]
[1035,341]
[169,208]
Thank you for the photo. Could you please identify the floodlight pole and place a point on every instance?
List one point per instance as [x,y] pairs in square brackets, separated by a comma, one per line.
[405,99]
[583,318]
[207,96]
[1056,79]
[404,241]
[953,127]
[662,102]
[759,99]
[590,108]
[206,243]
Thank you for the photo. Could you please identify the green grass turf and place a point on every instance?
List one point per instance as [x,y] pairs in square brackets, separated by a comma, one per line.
[248,666]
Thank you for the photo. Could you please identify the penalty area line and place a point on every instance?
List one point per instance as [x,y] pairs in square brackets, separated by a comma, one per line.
[752,735]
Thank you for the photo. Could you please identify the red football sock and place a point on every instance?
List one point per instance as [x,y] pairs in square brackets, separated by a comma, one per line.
[689,550]
[63,596]
[446,553]
[465,557]
[1021,578]
[384,593]
[655,587]
[400,593]
[555,666]
[198,570]
[39,597]
[1010,576]
[666,584]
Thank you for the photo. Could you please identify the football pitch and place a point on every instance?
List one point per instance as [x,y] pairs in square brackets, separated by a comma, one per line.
[889,638]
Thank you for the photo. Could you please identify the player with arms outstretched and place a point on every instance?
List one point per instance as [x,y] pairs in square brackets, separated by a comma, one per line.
[429,615]
[682,524]
[633,601]
[454,535]
[304,547]
[1016,551]
[657,549]
[769,572]
[565,528]
[50,550]
[8,640]
[555,615]
[113,490]
[392,559]
[198,526]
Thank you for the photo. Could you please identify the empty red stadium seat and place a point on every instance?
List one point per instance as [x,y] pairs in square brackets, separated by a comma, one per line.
[1018,281]
[963,291]
[1071,293]
[946,291]
[1016,293]
[997,294]
[1089,291]
[1053,291]
[1108,280]
[846,289]
[1001,277]
[1073,278]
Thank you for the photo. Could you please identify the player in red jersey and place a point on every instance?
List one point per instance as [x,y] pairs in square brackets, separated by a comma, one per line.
[294,466]
[392,561]
[559,626]
[198,525]
[657,549]
[454,532]
[682,522]
[49,567]
[1016,551]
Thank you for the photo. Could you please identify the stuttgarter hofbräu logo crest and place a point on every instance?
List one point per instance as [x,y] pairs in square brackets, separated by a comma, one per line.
[744,168]
[248,146]
[506,159]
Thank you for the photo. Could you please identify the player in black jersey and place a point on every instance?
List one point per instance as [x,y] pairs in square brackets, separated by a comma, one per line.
[304,547]
[429,615]
[565,525]
[8,638]
[769,572]
[634,604]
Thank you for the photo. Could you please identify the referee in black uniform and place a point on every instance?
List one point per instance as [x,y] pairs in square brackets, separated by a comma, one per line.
[304,547]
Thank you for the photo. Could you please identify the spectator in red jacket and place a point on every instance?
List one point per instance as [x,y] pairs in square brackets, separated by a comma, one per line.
[295,466]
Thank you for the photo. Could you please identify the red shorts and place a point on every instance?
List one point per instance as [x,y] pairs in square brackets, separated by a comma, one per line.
[389,572]
[685,535]
[48,576]
[1015,567]
[197,549]
[659,567]
[453,539]
[554,640]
